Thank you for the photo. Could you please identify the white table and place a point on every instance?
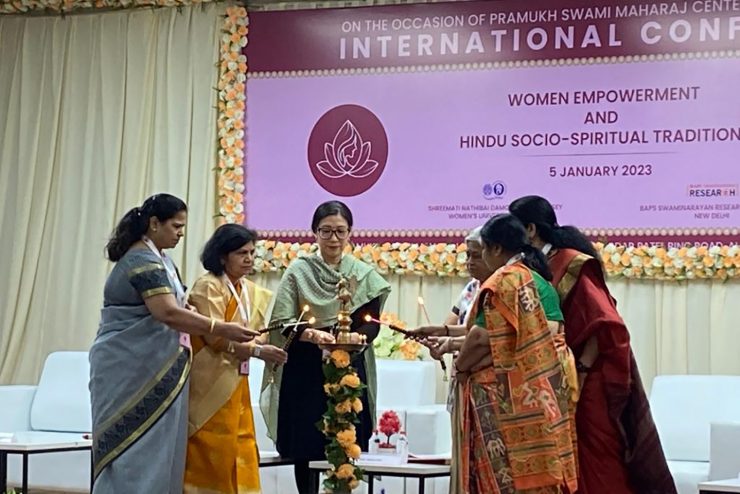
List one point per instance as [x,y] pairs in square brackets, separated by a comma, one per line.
[31,444]
[420,471]
[730,486]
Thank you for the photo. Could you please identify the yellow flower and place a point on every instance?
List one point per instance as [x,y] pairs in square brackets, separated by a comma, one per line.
[353,451]
[347,437]
[330,388]
[343,407]
[346,471]
[350,380]
[357,405]
[354,484]
[340,358]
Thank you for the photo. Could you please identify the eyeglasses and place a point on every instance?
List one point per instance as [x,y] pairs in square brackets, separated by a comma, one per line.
[326,233]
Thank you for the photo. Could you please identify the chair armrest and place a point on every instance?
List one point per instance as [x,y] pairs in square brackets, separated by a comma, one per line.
[428,429]
[15,408]
[724,443]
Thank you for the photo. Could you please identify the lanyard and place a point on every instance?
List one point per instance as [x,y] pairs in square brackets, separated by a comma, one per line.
[171,273]
[243,312]
[243,308]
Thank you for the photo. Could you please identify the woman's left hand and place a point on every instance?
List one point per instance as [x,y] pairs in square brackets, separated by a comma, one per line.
[317,337]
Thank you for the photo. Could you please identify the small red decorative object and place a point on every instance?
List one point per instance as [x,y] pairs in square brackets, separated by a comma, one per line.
[389,424]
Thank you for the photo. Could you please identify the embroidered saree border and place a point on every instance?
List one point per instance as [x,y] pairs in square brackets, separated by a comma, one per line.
[179,368]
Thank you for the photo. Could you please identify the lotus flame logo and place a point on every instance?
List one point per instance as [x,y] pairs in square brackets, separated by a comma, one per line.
[347,155]
[347,150]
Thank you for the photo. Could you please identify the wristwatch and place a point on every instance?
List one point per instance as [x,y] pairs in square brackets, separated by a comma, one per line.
[256,351]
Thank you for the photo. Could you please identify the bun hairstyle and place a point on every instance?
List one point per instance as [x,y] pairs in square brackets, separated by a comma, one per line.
[537,211]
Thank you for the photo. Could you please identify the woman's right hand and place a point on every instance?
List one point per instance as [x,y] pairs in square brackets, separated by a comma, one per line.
[234,332]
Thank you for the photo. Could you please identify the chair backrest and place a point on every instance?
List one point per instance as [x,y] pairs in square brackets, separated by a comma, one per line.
[405,383]
[683,408]
[725,443]
[62,401]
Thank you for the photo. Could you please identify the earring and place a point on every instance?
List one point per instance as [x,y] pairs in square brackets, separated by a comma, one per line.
[154,229]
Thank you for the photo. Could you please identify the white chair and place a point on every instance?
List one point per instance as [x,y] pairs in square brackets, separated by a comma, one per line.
[56,410]
[688,411]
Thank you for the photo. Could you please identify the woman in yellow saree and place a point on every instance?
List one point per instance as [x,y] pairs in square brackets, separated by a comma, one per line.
[222,456]
[517,436]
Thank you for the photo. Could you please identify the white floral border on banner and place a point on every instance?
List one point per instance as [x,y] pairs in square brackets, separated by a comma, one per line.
[231,111]
[445,260]
[67,6]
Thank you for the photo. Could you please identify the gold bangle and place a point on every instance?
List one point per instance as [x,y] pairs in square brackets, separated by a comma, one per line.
[213,325]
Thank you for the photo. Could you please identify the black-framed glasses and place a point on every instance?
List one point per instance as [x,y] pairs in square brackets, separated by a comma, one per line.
[326,233]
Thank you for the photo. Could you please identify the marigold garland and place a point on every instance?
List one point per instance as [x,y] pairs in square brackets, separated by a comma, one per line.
[640,262]
[344,390]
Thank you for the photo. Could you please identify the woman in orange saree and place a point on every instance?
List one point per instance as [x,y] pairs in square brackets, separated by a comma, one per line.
[618,445]
[516,424]
[222,456]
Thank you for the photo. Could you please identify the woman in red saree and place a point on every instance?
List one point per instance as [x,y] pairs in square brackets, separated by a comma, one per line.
[618,446]
[516,424]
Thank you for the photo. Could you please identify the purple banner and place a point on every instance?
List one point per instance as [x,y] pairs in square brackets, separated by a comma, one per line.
[487,31]
[642,151]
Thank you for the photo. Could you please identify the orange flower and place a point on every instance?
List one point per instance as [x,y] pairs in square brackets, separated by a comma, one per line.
[354,452]
[340,358]
[343,407]
[346,471]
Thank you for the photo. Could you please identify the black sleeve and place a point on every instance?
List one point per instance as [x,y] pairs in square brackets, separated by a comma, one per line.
[369,329]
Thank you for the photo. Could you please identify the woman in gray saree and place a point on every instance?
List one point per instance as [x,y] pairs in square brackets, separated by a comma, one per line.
[139,363]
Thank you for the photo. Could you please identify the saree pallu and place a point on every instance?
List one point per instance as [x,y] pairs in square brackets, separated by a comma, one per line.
[138,386]
[516,426]
[619,447]
[222,453]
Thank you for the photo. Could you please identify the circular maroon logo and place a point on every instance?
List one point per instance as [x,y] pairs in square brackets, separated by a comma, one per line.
[347,150]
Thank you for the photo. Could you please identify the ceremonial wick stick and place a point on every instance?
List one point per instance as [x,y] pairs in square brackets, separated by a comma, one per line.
[429,322]
[294,331]
[369,318]
[281,326]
